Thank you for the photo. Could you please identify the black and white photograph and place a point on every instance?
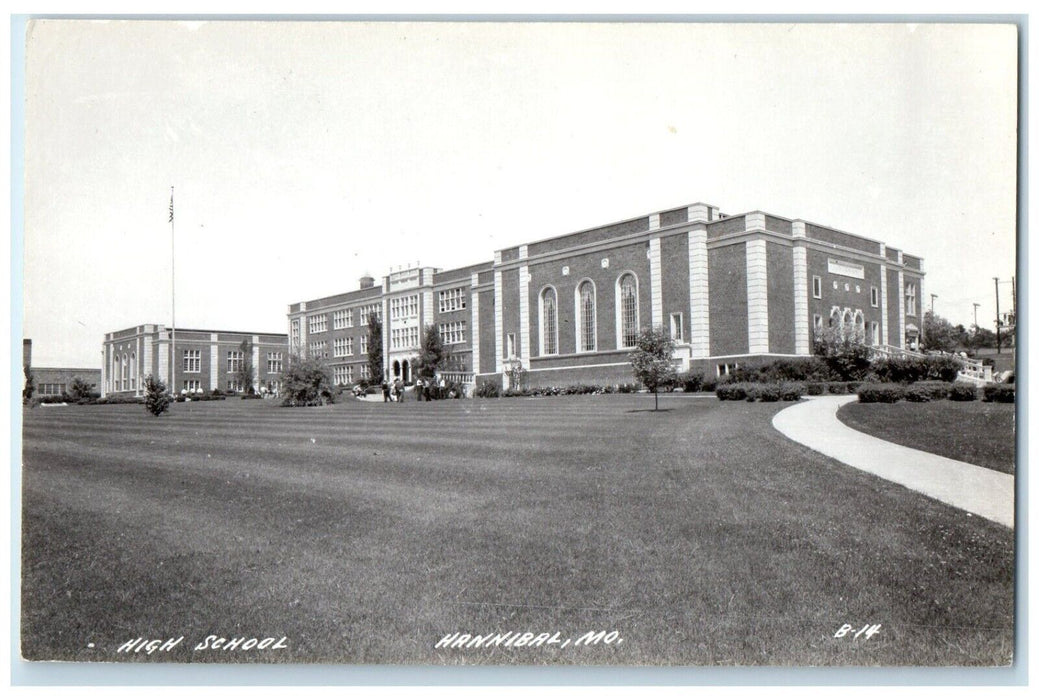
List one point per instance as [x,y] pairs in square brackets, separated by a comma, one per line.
[560,343]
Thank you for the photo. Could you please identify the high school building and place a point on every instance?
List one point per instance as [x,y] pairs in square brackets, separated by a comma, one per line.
[567,309]
[55,381]
[205,360]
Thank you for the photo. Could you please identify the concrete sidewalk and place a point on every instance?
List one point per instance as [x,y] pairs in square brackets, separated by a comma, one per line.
[981,491]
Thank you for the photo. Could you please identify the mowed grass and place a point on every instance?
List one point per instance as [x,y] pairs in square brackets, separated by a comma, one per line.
[970,431]
[366,532]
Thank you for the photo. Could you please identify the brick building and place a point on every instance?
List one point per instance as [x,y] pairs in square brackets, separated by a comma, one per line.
[55,381]
[205,360]
[567,309]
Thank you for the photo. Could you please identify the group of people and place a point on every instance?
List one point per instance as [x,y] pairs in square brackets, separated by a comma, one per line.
[424,389]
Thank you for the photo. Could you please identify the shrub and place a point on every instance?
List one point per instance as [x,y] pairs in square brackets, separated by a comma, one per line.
[769,392]
[837,387]
[961,391]
[791,391]
[815,388]
[629,388]
[731,391]
[917,394]
[691,382]
[244,396]
[936,390]
[999,393]
[487,390]
[880,393]
[709,384]
[157,400]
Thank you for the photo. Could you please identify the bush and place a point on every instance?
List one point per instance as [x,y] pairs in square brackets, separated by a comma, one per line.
[731,391]
[936,390]
[880,393]
[691,382]
[115,400]
[769,392]
[815,388]
[245,396]
[791,391]
[906,370]
[629,388]
[999,393]
[709,384]
[487,390]
[917,394]
[837,388]
[961,391]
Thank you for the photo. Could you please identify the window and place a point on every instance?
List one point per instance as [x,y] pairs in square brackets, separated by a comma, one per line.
[273,363]
[318,324]
[341,347]
[234,385]
[586,316]
[343,374]
[295,332]
[365,313]
[628,308]
[453,332]
[860,328]
[817,286]
[874,297]
[364,344]
[193,386]
[676,327]
[234,360]
[874,328]
[911,300]
[404,338]
[342,319]
[126,374]
[452,300]
[817,321]
[192,361]
[133,370]
[727,368]
[510,345]
[404,307]
[49,389]
[319,349]
[548,321]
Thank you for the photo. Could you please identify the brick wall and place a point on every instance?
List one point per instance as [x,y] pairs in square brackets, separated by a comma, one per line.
[727,274]
[780,298]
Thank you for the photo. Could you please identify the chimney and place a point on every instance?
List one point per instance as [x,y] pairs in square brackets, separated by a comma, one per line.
[367,282]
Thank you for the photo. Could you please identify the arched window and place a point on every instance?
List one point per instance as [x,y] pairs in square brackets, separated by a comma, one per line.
[586,316]
[860,327]
[126,378]
[133,370]
[628,310]
[847,327]
[549,327]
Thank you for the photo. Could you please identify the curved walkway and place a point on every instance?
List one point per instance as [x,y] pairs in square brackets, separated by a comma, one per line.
[981,491]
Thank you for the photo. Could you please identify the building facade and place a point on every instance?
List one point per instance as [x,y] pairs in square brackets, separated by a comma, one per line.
[204,361]
[568,309]
[55,381]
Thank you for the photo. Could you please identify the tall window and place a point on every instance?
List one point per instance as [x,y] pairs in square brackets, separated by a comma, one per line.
[192,360]
[628,296]
[676,327]
[847,328]
[817,287]
[548,321]
[234,360]
[860,327]
[911,299]
[586,315]
[273,363]
[874,296]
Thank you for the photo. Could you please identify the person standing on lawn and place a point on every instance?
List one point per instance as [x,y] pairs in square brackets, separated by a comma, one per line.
[385,391]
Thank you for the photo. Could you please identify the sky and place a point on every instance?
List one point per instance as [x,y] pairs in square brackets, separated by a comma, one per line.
[305,155]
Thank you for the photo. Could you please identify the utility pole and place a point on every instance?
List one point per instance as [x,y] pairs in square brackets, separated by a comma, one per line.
[976,305]
[998,344]
[933,297]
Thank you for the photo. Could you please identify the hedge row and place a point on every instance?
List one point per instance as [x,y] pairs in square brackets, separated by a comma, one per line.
[924,391]
[759,391]
[491,390]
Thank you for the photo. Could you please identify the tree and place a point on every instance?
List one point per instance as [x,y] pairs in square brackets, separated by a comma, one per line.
[651,360]
[307,382]
[374,348]
[433,355]
[30,384]
[847,359]
[938,334]
[79,388]
[157,401]
[244,374]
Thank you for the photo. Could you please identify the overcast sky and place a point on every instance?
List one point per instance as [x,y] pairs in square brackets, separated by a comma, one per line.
[305,155]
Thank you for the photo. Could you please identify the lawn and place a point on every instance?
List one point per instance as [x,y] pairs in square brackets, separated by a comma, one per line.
[971,431]
[364,533]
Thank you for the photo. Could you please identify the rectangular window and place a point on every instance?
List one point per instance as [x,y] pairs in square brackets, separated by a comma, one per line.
[364,344]
[234,360]
[295,332]
[874,296]
[234,385]
[318,324]
[510,345]
[727,368]
[817,321]
[452,300]
[875,332]
[192,361]
[319,349]
[676,327]
[193,386]
[453,332]
[343,374]
[365,313]
[274,363]
[911,300]
[817,286]
[343,318]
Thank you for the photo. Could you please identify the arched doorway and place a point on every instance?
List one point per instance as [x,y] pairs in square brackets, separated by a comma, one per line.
[406,369]
[396,369]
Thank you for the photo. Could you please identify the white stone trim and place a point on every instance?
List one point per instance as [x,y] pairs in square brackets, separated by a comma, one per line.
[214,363]
[553,369]
[523,252]
[474,337]
[885,327]
[757,297]
[755,220]
[427,312]
[654,222]
[656,286]
[802,323]
[524,310]
[256,362]
[499,333]
[699,291]
[698,212]
[164,364]
[901,307]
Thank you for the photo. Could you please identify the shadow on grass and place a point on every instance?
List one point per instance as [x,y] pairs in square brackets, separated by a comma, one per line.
[650,410]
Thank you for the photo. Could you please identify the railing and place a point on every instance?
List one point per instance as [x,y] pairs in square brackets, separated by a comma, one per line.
[972,370]
[458,377]
[892,351]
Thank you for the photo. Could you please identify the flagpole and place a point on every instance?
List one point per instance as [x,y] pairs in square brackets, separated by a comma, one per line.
[173,303]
